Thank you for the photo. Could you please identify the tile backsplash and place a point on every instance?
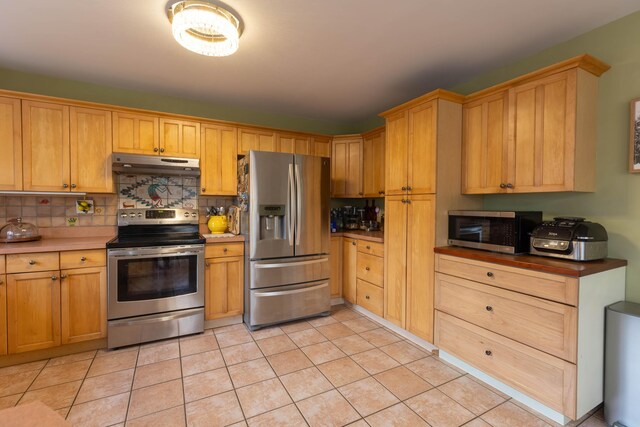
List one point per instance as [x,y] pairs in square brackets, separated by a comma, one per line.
[147,191]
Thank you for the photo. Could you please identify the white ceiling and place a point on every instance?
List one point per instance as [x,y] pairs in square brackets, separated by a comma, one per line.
[342,60]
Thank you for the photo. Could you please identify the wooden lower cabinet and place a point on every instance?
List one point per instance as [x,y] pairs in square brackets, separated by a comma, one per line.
[335,277]
[3,314]
[370,297]
[349,265]
[83,303]
[224,284]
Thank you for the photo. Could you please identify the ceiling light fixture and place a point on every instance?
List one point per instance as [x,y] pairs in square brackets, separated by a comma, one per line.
[204,28]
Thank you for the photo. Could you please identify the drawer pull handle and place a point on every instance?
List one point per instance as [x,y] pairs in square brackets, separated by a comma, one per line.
[54,278]
[367,268]
[32,262]
[489,308]
[83,259]
[366,296]
[489,274]
[488,352]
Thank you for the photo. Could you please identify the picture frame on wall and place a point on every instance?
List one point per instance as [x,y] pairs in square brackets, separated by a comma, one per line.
[634,136]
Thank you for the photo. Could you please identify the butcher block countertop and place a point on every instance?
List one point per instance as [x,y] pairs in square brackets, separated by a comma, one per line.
[63,239]
[223,238]
[537,263]
[371,236]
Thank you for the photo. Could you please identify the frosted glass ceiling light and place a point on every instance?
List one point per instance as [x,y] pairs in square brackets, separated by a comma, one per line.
[204,28]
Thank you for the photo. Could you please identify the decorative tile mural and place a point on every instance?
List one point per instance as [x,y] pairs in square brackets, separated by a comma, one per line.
[149,191]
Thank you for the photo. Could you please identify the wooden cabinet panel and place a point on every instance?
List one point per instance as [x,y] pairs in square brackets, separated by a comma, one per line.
[250,139]
[346,166]
[33,311]
[2,264]
[370,297]
[179,138]
[335,277]
[10,144]
[219,160]
[349,260]
[90,150]
[294,144]
[395,261]
[370,268]
[371,248]
[396,152]
[224,281]
[26,263]
[3,314]
[83,304]
[135,133]
[373,164]
[421,159]
[212,250]
[321,146]
[45,146]
[83,258]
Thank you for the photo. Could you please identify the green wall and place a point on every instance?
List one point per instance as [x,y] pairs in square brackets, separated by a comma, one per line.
[616,201]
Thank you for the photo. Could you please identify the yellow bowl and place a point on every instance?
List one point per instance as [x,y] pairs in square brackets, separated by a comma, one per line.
[217,224]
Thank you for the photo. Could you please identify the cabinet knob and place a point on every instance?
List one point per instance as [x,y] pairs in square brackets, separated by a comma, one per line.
[489,308]
[503,185]
[1,282]
[409,188]
[353,243]
[73,186]
[368,247]
[162,150]
[63,276]
[155,150]
[367,268]
[32,262]
[489,274]
[207,265]
[366,296]
[408,201]
[225,250]
[360,193]
[54,277]
[509,185]
[65,185]
[404,188]
[488,352]
[83,259]
[204,189]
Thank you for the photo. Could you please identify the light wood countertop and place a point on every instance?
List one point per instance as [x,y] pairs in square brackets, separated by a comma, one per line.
[370,236]
[54,244]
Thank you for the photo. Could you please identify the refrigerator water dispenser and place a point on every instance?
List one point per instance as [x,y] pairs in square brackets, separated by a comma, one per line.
[272,225]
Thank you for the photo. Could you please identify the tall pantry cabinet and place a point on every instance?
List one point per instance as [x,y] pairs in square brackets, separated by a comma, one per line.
[422,160]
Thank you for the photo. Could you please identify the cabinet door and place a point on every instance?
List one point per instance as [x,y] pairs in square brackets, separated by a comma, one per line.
[485,143]
[219,160]
[179,138]
[33,311]
[395,259]
[224,281]
[543,133]
[420,265]
[347,167]
[321,146]
[349,255]
[422,149]
[10,145]
[3,314]
[396,153]
[83,297]
[90,150]
[335,274]
[250,139]
[135,133]
[294,144]
[45,149]
[373,165]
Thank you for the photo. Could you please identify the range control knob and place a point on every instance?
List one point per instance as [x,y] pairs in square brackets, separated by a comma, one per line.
[193,215]
[132,215]
[139,214]
[186,214]
[124,215]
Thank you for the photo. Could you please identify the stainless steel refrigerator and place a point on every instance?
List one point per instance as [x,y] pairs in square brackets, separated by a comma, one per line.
[285,220]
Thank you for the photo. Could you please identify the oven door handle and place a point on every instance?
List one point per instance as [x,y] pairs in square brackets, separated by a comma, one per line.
[164,255]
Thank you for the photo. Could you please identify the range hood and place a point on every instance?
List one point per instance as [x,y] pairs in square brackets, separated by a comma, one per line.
[124,163]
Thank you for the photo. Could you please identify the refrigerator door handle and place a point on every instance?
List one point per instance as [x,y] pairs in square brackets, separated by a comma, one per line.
[290,208]
[298,204]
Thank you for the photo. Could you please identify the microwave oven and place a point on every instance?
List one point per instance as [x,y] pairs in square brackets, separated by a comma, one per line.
[498,231]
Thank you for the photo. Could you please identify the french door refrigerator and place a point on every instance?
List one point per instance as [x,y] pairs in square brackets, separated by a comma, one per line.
[285,220]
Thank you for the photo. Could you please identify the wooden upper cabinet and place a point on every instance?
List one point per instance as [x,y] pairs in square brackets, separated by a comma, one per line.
[45,149]
[83,304]
[373,163]
[179,138]
[321,146]
[396,149]
[421,171]
[135,133]
[90,150]
[219,160]
[250,139]
[10,144]
[346,166]
[295,144]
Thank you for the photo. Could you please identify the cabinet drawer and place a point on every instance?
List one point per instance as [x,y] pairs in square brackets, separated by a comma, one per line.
[547,379]
[548,286]
[212,250]
[370,297]
[370,268]
[371,248]
[79,259]
[544,325]
[27,263]
[2,269]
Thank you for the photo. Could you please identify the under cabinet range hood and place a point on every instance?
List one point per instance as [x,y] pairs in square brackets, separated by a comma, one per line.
[124,163]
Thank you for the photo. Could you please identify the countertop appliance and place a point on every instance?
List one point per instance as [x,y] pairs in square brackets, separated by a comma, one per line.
[570,238]
[497,231]
[155,276]
[285,219]
[154,165]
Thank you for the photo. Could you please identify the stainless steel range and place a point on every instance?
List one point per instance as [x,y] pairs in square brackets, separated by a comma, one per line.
[155,276]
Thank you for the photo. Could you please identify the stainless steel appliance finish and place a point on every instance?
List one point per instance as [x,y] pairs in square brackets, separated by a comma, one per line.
[622,370]
[154,165]
[287,247]
[570,238]
[157,216]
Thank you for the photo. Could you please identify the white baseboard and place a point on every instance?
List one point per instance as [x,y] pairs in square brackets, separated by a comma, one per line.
[337,301]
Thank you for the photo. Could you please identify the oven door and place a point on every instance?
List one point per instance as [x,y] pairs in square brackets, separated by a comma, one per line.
[154,280]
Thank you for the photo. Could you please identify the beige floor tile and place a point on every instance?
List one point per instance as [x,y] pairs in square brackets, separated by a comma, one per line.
[156,373]
[101,412]
[230,328]
[485,385]
[109,352]
[206,384]
[287,416]
[307,337]
[221,409]
[346,314]
[335,330]
[241,353]
[368,396]
[359,423]
[305,383]
[63,412]
[61,374]
[155,398]
[327,409]
[295,326]
[403,383]
[439,410]
[160,343]
[239,424]
[544,418]
[234,337]
[323,352]
[105,385]
[266,333]
[380,337]
[353,344]
[9,401]
[322,321]
[594,421]
[55,397]
[117,361]
[159,353]
[71,358]
[256,399]
[198,344]
[201,362]
[17,382]
[471,395]
[511,415]
[360,325]
[25,367]
[173,417]
[374,361]
[478,422]
[251,372]
[342,371]
[396,416]
[432,370]
[404,352]
[277,344]
[289,361]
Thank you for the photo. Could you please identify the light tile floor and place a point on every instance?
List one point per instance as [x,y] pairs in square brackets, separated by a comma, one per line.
[328,371]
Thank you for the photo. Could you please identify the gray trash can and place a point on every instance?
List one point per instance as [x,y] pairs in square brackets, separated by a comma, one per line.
[622,365]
